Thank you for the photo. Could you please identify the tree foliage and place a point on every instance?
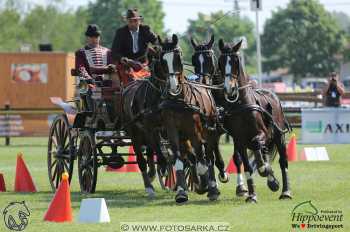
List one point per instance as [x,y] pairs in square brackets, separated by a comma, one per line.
[304,38]
[41,24]
[226,26]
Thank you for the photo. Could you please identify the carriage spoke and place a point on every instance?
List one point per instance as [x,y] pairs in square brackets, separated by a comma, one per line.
[58,174]
[54,173]
[54,141]
[66,165]
[59,130]
[53,163]
[66,147]
[56,134]
[64,134]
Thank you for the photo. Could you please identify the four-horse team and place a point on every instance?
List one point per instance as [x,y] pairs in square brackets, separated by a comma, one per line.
[156,102]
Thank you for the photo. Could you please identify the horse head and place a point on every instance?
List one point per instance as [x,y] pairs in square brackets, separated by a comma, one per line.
[170,64]
[203,60]
[231,69]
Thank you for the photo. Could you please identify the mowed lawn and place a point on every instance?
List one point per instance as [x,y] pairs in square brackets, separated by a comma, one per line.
[326,184]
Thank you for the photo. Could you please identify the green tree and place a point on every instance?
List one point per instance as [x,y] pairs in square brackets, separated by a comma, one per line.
[108,14]
[64,30]
[11,32]
[225,26]
[304,38]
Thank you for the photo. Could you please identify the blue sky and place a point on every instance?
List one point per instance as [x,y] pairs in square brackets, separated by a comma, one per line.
[178,12]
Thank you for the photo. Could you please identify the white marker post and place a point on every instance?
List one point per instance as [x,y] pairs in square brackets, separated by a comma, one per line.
[255,5]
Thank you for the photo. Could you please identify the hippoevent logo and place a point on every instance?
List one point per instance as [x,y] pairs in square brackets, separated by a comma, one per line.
[16,216]
[306,216]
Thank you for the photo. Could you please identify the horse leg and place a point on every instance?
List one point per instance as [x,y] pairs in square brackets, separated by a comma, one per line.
[151,164]
[248,170]
[142,163]
[219,162]
[161,160]
[264,169]
[181,194]
[213,191]
[272,181]
[241,190]
[201,166]
[281,147]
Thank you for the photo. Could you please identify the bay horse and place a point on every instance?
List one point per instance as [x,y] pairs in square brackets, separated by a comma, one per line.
[204,63]
[189,114]
[255,120]
[142,122]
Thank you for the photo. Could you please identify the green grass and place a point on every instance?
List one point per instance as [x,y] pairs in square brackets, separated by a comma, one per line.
[326,184]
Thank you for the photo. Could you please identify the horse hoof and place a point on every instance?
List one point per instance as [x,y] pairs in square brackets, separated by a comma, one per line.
[213,194]
[286,196]
[150,192]
[273,185]
[224,178]
[251,199]
[241,191]
[181,197]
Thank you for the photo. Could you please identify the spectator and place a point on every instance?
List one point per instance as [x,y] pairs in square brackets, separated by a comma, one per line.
[333,91]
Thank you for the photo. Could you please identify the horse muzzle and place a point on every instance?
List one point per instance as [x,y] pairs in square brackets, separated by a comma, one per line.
[174,86]
[231,89]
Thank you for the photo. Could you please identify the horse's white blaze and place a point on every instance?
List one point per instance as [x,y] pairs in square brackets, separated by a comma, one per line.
[228,69]
[169,57]
[179,165]
[201,61]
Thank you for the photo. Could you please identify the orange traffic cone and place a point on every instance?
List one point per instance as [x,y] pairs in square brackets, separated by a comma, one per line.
[60,209]
[292,149]
[23,181]
[231,167]
[2,183]
[132,158]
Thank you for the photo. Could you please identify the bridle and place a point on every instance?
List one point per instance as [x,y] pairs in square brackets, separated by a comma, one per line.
[211,53]
[235,92]
[168,74]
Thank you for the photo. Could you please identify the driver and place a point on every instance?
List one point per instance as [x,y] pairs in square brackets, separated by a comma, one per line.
[129,47]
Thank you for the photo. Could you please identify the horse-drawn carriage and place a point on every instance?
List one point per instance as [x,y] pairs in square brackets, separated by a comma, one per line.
[189,118]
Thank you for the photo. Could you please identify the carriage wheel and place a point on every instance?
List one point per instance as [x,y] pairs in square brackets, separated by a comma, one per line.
[60,155]
[87,163]
[167,182]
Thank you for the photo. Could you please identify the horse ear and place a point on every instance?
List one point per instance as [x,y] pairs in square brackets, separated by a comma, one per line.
[194,44]
[211,42]
[221,44]
[237,46]
[175,39]
[160,40]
